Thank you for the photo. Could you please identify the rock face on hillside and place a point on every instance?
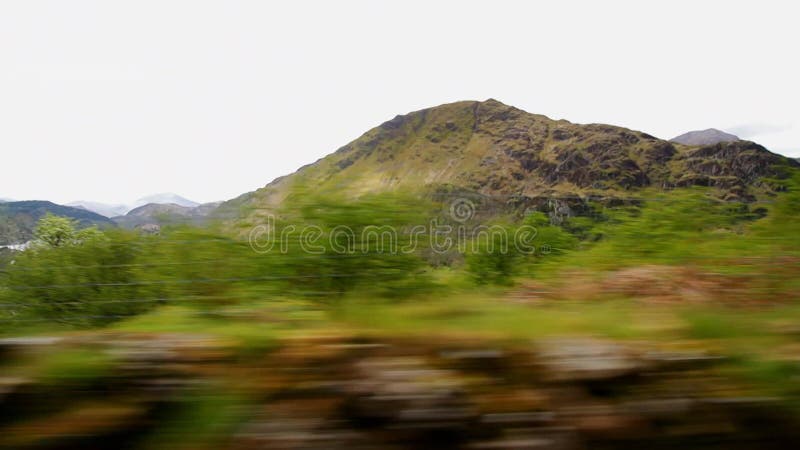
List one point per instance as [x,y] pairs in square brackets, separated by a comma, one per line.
[495,149]
[704,137]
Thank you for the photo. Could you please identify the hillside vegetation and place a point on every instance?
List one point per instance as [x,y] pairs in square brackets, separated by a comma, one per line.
[18,219]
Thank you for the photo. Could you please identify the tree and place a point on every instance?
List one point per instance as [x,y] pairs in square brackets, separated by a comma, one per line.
[54,231]
[499,258]
[339,245]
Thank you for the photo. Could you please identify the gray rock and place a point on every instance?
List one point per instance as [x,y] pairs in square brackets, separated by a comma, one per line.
[582,359]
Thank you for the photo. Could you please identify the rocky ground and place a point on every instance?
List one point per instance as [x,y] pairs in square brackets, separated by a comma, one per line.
[138,390]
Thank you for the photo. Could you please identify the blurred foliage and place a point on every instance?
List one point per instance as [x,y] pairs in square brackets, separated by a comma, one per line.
[84,283]
[334,245]
[328,248]
[497,257]
[323,248]
[494,259]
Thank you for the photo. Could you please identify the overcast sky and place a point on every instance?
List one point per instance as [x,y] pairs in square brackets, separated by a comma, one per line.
[113,100]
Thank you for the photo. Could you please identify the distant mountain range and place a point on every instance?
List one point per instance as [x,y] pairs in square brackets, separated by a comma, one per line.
[710,136]
[165,198]
[104,209]
[156,209]
[18,218]
[120,209]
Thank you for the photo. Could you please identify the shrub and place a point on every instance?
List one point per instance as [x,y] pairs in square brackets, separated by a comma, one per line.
[79,281]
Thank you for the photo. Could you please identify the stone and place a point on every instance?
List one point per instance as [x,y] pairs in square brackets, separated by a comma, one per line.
[585,359]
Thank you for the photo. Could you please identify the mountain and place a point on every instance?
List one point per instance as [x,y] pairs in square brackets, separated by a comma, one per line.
[495,149]
[18,219]
[164,214]
[164,198]
[710,136]
[119,209]
[104,209]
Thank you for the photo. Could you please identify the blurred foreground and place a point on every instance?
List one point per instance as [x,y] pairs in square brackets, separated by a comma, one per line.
[383,377]
[665,323]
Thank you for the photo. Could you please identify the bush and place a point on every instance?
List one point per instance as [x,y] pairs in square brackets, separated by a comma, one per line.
[503,255]
[338,245]
[88,281]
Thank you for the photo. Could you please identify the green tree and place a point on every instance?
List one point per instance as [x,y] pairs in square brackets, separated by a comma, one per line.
[338,245]
[54,231]
[502,256]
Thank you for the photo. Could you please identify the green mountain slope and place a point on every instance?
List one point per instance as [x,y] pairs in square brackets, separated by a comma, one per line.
[498,150]
[18,219]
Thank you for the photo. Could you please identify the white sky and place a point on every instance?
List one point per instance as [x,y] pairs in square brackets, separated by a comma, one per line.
[113,100]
